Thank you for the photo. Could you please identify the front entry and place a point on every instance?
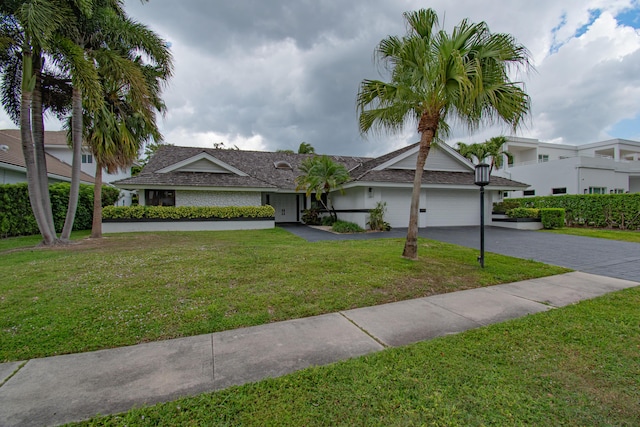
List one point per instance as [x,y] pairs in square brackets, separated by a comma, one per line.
[286,206]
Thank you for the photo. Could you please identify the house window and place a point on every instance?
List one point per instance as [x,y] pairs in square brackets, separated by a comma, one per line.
[617,191]
[597,190]
[160,197]
[529,193]
[87,158]
[543,158]
[560,190]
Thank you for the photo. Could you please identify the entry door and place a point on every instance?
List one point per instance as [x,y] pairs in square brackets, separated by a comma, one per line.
[285,206]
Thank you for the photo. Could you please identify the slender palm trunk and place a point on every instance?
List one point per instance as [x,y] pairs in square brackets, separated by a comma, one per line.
[37,126]
[76,137]
[28,150]
[427,128]
[96,226]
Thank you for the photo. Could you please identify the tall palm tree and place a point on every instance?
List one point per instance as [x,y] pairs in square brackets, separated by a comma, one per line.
[37,22]
[474,152]
[321,175]
[435,77]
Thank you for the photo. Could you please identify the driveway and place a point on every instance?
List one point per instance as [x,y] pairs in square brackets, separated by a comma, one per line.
[596,256]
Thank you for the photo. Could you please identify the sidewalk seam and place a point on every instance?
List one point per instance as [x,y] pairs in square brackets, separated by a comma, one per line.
[213,364]
[364,330]
[6,380]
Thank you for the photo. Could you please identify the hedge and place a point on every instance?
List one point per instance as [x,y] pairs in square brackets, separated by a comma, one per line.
[523,213]
[16,216]
[594,210]
[552,217]
[186,212]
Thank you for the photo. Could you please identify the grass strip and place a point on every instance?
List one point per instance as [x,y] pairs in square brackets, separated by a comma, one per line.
[622,235]
[575,366]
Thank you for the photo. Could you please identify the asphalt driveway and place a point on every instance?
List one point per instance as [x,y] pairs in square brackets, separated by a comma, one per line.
[596,256]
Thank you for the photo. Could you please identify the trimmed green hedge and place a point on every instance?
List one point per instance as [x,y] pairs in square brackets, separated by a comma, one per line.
[523,213]
[594,210]
[552,217]
[187,212]
[16,216]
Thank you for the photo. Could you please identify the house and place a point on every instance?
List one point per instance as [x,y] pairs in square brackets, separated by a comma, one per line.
[59,158]
[13,168]
[192,176]
[604,167]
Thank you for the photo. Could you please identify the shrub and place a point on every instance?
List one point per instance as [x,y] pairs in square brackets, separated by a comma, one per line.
[311,217]
[110,195]
[523,213]
[16,216]
[504,206]
[186,212]
[376,218]
[552,217]
[346,227]
[328,220]
[595,210]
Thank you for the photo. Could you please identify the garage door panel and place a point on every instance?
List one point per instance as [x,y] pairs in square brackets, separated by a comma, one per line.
[452,207]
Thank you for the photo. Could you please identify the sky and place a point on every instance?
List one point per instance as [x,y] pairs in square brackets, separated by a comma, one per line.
[268,75]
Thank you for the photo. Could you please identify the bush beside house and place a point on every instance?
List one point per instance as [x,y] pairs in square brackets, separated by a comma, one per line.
[185,212]
[16,216]
[620,211]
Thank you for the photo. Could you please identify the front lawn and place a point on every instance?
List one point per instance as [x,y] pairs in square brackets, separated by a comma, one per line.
[131,288]
[623,235]
[575,366]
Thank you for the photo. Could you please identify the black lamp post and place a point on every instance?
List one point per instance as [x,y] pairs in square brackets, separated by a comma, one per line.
[482,179]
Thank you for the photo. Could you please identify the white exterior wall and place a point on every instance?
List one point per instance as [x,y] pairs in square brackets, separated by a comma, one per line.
[11,177]
[217,198]
[65,155]
[634,184]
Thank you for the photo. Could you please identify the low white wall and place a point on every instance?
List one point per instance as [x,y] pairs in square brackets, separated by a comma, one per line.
[128,227]
[533,225]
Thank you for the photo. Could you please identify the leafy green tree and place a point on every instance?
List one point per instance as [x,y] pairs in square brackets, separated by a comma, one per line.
[435,77]
[321,175]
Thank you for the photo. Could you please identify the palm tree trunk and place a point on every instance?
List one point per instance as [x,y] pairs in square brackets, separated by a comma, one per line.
[37,127]
[427,128]
[28,150]
[76,137]
[96,226]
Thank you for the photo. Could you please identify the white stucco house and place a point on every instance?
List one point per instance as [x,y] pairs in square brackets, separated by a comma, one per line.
[193,176]
[605,167]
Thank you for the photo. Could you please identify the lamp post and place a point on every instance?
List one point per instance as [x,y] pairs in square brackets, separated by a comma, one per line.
[482,179]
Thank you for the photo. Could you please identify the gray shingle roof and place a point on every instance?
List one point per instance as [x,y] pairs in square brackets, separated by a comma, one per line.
[262,173]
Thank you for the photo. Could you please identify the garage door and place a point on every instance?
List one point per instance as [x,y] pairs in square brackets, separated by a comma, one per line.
[452,207]
[398,204]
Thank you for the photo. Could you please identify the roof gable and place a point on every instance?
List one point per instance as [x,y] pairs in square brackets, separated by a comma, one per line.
[203,162]
[441,157]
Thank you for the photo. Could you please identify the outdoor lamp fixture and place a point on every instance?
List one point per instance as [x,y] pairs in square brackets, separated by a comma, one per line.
[482,179]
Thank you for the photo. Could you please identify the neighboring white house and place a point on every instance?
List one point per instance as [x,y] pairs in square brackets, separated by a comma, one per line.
[59,159]
[13,169]
[605,167]
[192,176]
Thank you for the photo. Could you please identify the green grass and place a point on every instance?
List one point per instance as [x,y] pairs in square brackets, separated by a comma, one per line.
[575,366]
[623,235]
[131,288]
[30,241]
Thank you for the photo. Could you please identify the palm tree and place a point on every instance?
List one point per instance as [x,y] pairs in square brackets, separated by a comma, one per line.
[321,175]
[35,24]
[474,152]
[496,152]
[436,76]
[306,148]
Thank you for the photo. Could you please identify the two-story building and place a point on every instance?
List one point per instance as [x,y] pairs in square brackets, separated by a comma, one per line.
[604,167]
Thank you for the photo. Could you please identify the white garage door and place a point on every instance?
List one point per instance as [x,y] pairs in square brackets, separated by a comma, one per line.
[452,207]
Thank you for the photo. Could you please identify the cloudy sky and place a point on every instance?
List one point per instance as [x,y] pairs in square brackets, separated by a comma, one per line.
[267,75]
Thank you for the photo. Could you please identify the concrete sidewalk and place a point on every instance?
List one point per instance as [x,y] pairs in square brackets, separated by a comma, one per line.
[61,389]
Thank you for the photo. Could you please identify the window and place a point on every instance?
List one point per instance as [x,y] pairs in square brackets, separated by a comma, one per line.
[542,158]
[597,190]
[617,191]
[87,158]
[560,190]
[529,193]
[160,197]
